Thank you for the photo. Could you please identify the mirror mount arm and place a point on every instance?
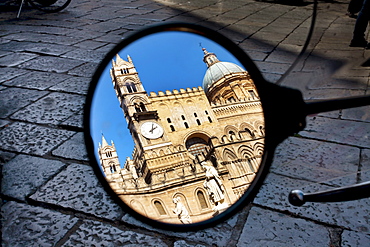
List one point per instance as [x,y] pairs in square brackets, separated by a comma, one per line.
[336,104]
[348,193]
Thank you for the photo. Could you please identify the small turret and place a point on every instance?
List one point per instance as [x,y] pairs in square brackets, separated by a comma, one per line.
[108,157]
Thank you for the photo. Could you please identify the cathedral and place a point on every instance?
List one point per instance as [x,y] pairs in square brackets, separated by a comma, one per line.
[196,149]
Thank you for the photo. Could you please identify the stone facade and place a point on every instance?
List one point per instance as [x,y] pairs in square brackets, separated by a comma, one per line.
[183,140]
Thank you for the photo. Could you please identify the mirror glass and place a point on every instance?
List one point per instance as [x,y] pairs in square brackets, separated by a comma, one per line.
[177,127]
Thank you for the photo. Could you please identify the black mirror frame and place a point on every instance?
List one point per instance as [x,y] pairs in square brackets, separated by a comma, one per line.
[274,133]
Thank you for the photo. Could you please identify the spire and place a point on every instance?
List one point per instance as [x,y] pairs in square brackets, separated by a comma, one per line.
[104,142]
[118,59]
[209,58]
[129,59]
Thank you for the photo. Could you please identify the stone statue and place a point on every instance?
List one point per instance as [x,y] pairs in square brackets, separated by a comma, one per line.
[181,211]
[213,184]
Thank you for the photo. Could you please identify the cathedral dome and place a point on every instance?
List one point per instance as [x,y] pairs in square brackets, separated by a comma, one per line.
[217,71]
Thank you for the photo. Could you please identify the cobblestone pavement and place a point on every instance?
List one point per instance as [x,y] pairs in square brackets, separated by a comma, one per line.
[50,196]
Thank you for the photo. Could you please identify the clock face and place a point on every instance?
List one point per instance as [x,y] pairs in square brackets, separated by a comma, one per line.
[151,130]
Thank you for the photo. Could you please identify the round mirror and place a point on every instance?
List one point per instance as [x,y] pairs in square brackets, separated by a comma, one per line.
[175,126]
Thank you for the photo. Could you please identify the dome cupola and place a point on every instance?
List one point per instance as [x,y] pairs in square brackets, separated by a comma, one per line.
[216,69]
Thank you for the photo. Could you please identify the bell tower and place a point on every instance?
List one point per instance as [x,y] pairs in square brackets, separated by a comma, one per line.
[129,90]
[142,118]
[134,100]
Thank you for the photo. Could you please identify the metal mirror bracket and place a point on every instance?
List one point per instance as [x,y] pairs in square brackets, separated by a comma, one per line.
[348,193]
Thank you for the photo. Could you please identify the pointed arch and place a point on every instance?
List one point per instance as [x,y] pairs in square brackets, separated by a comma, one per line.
[246,152]
[248,157]
[229,155]
[259,149]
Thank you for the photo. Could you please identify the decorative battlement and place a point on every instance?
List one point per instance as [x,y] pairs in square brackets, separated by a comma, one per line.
[236,108]
[182,93]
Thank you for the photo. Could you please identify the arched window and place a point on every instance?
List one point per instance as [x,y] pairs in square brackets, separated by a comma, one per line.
[231,99]
[172,128]
[198,122]
[112,168]
[231,135]
[142,107]
[195,115]
[186,125]
[196,146]
[182,117]
[209,119]
[137,107]
[158,205]
[252,94]
[202,200]
[249,132]
[168,120]
[130,87]
[125,71]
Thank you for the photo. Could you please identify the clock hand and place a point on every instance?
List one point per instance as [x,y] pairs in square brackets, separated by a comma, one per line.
[151,131]
[153,128]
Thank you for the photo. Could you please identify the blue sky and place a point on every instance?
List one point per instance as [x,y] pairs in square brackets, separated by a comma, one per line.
[165,61]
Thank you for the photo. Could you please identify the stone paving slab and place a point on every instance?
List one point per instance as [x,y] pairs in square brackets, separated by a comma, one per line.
[219,235]
[54,108]
[264,227]
[9,73]
[44,38]
[25,225]
[77,188]
[94,233]
[351,238]
[74,148]
[51,64]
[24,174]
[315,161]
[340,131]
[14,99]
[36,80]
[357,114]
[78,85]
[85,55]
[85,70]
[38,141]
[14,59]
[74,121]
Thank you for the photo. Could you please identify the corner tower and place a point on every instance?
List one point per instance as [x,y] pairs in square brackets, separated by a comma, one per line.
[108,157]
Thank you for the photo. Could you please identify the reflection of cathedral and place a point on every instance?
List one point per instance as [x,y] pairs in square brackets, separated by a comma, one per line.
[174,131]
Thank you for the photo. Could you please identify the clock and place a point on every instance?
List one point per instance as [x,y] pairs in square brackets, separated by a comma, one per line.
[151,130]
